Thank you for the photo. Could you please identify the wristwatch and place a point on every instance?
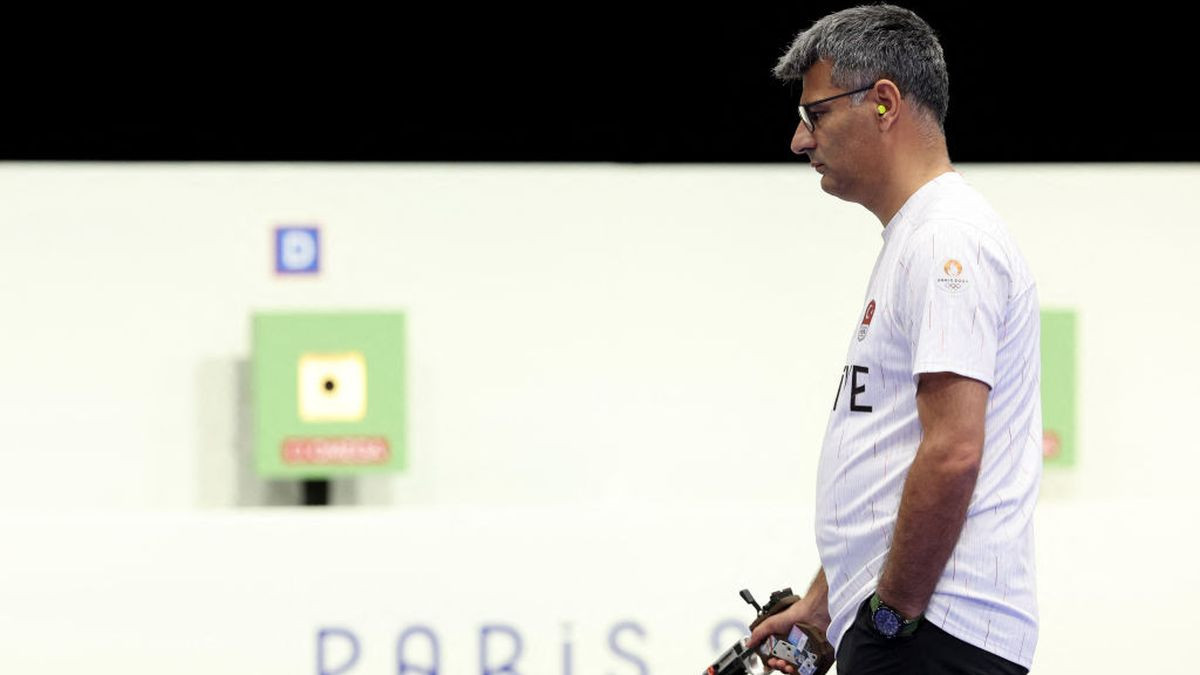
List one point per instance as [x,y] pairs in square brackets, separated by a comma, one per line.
[890,623]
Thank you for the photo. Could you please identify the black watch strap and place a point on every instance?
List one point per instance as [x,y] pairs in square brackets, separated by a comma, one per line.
[907,627]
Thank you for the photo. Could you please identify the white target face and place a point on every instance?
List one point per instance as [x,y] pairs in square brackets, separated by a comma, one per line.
[333,387]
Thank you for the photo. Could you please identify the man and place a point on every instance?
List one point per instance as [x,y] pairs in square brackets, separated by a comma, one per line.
[931,461]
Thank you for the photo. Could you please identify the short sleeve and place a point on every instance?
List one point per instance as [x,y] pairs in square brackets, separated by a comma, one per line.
[955,284]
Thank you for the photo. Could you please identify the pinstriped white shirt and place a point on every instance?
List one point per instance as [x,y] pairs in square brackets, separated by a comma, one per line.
[949,292]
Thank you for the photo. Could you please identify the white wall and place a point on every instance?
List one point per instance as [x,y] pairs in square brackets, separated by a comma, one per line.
[248,591]
[580,337]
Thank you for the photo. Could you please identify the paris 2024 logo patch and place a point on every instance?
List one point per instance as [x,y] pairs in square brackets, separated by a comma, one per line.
[954,280]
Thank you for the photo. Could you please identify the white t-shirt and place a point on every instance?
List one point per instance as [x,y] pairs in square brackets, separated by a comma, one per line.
[949,292]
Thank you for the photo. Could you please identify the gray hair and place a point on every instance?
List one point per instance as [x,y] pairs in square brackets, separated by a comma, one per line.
[872,42]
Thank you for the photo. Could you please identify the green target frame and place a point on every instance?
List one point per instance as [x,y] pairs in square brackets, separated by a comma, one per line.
[329,394]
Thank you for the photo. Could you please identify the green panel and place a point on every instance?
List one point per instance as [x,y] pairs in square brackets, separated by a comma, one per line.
[328,392]
[1059,386]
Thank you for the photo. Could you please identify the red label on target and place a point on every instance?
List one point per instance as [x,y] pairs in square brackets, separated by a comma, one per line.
[866,322]
[349,451]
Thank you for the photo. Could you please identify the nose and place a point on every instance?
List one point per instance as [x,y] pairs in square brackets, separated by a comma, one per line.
[802,140]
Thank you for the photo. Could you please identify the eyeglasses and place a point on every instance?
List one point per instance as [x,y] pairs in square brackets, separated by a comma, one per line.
[805,117]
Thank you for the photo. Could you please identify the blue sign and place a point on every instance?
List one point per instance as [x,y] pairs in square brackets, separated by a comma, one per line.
[297,250]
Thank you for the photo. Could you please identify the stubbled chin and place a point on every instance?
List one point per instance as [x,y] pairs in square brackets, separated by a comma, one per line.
[827,185]
[831,187]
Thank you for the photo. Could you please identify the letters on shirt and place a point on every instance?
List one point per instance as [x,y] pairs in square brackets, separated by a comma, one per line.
[855,388]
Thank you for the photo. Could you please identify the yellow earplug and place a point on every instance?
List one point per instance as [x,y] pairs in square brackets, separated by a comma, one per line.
[882,108]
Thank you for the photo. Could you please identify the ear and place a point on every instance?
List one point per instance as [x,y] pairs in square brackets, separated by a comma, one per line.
[886,103]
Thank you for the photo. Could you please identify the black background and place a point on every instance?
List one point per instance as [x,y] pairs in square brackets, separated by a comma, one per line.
[577,83]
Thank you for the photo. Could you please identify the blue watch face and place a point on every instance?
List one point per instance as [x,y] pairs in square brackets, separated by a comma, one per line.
[887,622]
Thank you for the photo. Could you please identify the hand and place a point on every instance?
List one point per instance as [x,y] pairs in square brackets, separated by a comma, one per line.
[781,624]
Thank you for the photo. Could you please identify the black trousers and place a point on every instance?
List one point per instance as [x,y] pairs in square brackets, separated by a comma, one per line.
[928,651]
